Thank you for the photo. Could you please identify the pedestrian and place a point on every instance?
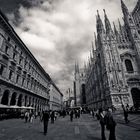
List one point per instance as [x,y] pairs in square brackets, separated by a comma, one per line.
[45,120]
[52,117]
[32,116]
[102,123]
[55,115]
[26,116]
[64,113]
[79,112]
[71,115]
[125,115]
[110,124]
[93,113]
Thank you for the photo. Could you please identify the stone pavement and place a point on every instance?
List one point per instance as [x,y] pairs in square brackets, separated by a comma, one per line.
[134,119]
[85,128]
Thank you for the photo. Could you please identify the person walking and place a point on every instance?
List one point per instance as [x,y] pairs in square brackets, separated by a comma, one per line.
[93,113]
[52,117]
[125,115]
[32,117]
[110,124]
[45,120]
[71,115]
[102,123]
[26,116]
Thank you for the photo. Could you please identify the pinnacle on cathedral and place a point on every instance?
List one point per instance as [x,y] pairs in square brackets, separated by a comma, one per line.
[76,67]
[107,23]
[99,24]
[115,30]
[124,8]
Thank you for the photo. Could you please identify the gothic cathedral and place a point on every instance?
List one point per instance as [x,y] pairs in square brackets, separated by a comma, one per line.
[113,72]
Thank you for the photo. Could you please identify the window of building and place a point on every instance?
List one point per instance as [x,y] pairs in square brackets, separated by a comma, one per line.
[129,66]
[8,38]
[23,81]
[17,79]
[1,69]
[20,60]
[14,56]
[10,75]
[6,49]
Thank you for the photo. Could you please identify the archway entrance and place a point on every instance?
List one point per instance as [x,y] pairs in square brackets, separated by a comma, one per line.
[5,97]
[25,101]
[20,100]
[136,97]
[13,99]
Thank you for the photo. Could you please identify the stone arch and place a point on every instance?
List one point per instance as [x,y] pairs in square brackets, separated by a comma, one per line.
[13,99]
[136,97]
[25,103]
[5,97]
[20,100]
[32,102]
[29,101]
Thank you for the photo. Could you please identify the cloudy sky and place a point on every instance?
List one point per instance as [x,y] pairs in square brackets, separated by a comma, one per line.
[59,32]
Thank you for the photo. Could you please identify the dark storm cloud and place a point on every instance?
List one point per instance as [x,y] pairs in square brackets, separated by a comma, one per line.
[9,6]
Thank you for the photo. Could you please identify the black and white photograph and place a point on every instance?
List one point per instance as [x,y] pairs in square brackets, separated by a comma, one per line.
[69,69]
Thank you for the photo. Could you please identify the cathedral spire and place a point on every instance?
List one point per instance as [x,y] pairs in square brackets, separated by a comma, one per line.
[76,67]
[93,49]
[124,8]
[115,30]
[99,24]
[85,67]
[95,38]
[121,30]
[120,26]
[107,23]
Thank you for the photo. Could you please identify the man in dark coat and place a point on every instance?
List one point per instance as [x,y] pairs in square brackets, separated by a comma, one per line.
[126,115]
[102,123]
[71,115]
[52,116]
[45,119]
[110,124]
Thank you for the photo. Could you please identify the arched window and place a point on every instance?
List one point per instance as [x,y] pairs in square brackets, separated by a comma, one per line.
[129,66]
[13,99]
[5,97]
[19,100]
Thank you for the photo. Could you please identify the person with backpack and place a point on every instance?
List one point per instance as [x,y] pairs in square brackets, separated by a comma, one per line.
[45,120]
[71,115]
[110,124]
[26,116]
[102,123]
[52,115]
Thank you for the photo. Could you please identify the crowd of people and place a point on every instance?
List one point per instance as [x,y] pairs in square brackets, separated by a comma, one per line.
[105,118]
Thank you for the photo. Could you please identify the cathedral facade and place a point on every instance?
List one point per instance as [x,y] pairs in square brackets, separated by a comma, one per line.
[113,71]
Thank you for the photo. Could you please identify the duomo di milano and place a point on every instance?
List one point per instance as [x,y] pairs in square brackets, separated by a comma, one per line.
[112,76]
[113,72]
